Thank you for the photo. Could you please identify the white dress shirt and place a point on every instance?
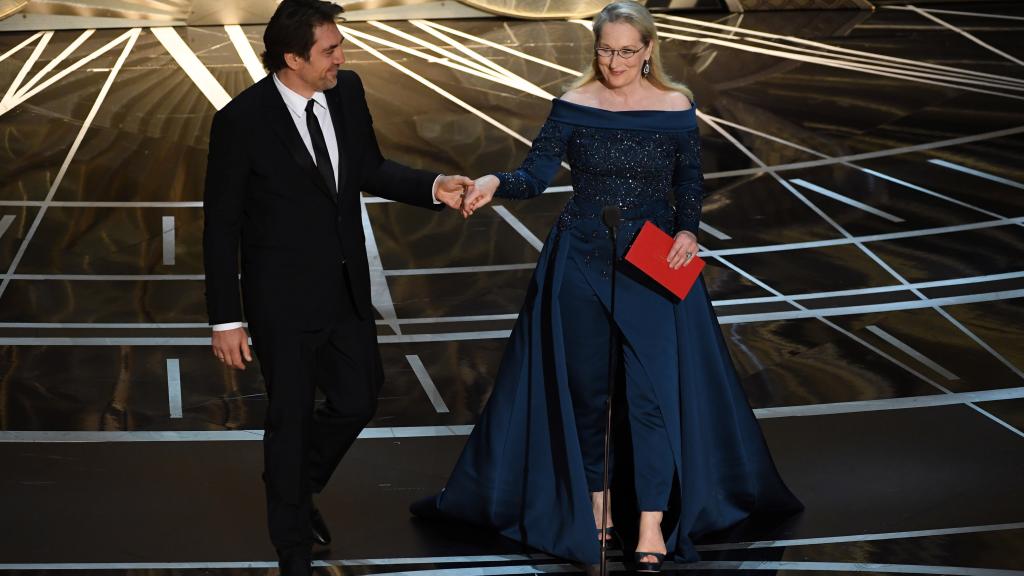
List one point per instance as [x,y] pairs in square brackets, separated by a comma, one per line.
[296,104]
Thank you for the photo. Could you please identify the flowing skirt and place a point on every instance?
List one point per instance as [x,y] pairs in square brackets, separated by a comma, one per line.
[522,470]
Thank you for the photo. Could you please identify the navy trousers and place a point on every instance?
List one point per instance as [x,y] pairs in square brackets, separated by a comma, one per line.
[585,317]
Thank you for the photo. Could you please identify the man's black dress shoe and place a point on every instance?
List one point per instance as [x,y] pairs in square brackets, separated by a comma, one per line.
[321,535]
[296,563]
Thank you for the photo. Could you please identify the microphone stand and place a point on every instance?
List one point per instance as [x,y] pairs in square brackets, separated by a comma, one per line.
[611,217]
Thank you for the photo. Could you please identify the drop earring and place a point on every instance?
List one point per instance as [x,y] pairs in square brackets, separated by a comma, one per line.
[646,69]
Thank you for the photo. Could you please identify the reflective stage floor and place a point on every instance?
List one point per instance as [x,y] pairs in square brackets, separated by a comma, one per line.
[863,233]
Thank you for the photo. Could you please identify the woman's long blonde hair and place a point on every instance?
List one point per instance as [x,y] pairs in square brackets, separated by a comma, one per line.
[638,17]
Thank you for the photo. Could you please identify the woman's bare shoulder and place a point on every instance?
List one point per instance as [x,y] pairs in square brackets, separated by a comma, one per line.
[583,95]
[674,100]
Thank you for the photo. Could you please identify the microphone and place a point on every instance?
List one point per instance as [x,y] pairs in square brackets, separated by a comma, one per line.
[612,216]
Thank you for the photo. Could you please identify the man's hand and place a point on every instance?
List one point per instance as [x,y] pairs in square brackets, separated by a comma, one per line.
[481,193]
[231,347]
[451,189]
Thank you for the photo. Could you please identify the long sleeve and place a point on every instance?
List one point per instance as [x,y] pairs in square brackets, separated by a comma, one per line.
[227,171]
[688,182]
[540,166]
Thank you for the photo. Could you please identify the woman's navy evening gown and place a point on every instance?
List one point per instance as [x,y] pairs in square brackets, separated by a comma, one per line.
[522,472]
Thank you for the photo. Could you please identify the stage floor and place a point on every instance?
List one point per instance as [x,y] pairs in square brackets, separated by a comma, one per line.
[863,233]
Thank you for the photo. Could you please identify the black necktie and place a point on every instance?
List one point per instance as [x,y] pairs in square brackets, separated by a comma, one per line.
[323,159]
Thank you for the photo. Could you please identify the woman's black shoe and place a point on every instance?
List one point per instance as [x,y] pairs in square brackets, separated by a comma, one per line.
[614,543]
[649,567]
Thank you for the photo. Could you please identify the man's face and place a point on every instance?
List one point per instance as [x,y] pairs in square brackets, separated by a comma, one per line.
[320,71]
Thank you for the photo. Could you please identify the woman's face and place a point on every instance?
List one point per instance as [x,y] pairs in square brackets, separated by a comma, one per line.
[620,54]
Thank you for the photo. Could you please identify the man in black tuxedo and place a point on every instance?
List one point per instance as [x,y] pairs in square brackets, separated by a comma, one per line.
[288,159]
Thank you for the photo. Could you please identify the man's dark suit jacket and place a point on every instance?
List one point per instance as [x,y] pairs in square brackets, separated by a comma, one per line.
[264,191]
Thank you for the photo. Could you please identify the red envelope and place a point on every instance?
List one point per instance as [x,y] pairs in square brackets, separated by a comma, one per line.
[649,253]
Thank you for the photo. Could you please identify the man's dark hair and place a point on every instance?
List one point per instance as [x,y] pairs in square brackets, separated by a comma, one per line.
[290,30]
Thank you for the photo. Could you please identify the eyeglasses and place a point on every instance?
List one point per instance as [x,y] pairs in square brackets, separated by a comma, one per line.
[624,53]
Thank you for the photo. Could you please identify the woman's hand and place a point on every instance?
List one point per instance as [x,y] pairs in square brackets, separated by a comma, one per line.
[683,250]
[481,193]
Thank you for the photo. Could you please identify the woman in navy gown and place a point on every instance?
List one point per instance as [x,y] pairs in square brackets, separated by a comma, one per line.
[532,468]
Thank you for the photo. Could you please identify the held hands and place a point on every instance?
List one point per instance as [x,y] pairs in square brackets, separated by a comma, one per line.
[480,194]
[683,250]
[451,189]
[231,347]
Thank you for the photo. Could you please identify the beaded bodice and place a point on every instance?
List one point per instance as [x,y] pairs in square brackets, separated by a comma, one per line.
[645,162]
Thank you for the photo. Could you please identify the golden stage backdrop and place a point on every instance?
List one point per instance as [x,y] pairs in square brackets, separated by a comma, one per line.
[537,9]
[104,13]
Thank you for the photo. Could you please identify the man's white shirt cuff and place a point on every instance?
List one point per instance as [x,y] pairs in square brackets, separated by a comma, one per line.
[433,191]
[227,326]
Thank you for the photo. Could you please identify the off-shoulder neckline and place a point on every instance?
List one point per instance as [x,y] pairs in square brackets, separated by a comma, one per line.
[689,110]
[572,114]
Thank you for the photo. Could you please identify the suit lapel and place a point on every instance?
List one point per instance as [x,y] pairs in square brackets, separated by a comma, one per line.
[337,108]
[281,121]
